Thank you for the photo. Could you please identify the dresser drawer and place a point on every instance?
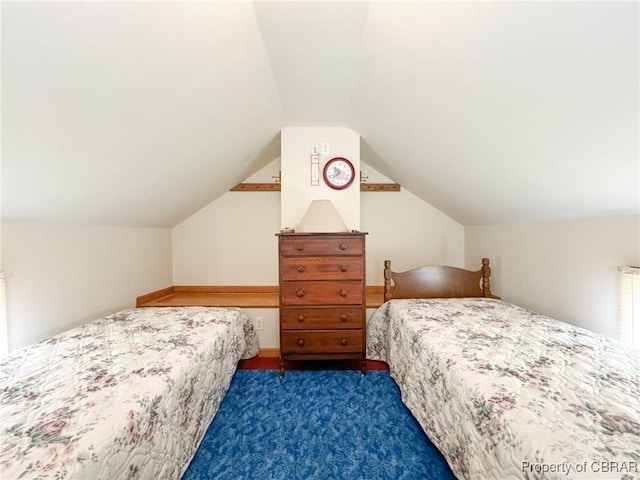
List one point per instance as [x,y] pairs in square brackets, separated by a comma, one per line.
[321,268]
[313,246]
[321,341]
[321,293]
[331,318]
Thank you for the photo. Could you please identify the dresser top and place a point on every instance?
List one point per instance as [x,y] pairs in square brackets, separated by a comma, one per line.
[333,234]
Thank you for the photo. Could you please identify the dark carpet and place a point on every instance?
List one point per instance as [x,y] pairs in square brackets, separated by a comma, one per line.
[315,425]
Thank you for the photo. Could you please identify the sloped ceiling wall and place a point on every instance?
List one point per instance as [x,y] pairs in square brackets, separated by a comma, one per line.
[493,112]
[130,113]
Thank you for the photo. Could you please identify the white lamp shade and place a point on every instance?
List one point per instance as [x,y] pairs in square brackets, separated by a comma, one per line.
[322,217]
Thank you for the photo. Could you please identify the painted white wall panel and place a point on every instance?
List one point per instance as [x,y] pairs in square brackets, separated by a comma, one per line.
[229,242]
[564,269]
[130,113]
[59,277]
[297,192]
[409,232]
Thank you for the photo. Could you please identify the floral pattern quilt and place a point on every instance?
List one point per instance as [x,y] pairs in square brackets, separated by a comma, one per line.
[128,396]
[506,393]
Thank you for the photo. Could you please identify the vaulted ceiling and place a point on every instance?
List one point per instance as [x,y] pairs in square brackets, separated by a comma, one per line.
[140,113]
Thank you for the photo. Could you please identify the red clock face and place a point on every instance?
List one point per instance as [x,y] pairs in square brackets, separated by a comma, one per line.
[339,173]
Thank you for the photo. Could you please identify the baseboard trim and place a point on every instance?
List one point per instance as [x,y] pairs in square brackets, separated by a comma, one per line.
[269,353]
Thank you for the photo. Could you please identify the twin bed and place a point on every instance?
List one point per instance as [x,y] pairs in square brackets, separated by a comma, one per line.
[128,396]
[504,392]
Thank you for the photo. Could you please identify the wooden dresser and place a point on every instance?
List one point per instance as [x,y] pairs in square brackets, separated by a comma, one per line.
[322,297]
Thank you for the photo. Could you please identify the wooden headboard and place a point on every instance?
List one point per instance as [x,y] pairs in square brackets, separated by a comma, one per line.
[437,281]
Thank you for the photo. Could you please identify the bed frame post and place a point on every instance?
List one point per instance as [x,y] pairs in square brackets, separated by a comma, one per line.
[486,274]
[387,280]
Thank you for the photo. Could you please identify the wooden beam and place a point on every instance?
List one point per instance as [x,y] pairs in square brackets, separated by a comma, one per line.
[379,187]
[256,187]
[275,187]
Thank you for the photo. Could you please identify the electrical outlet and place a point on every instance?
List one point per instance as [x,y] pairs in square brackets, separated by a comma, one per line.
[259,323]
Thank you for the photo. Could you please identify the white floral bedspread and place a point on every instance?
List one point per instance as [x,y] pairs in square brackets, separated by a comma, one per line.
[506,393]
[127,396]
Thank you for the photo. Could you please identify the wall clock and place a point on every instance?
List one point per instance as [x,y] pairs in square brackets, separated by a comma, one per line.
[339,173]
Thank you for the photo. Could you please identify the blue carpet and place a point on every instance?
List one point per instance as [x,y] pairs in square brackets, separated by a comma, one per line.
[315,425]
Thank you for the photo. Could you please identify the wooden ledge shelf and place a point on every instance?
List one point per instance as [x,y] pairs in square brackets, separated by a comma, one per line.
[241,296]
[375,296]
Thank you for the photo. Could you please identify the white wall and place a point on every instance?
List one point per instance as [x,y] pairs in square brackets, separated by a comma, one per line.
[232,241]
[297,193]
[409,232]
[4,331]
[564,269]
[60,276]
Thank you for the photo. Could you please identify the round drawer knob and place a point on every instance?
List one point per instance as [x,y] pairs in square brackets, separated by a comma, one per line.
[299,248]
[300,268]
[301,318]
[344,268]
[343,246]
[301,342]
[343,293]
[300,293]
[343,317]
[343,341]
